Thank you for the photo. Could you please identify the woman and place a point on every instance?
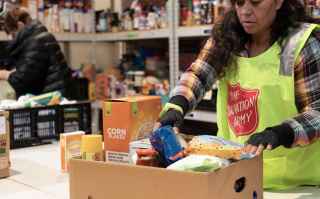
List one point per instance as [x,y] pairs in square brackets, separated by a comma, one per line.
[268,66]
[37,62]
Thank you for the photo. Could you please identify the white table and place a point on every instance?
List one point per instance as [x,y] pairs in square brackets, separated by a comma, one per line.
[36,175]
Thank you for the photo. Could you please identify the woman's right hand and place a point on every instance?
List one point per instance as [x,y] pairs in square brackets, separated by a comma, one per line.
[172,117]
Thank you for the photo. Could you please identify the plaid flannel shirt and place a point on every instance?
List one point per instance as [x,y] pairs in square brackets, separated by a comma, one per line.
[200,76]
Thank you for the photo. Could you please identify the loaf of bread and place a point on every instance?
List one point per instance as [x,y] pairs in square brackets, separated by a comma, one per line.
[200,147]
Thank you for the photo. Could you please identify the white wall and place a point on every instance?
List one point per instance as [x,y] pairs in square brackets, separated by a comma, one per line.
[102,54]
[102,4]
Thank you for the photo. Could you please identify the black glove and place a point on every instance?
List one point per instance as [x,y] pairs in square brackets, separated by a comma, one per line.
[171,117]
[275,136]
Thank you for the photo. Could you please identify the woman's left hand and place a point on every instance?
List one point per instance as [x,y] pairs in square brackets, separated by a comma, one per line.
[258,142]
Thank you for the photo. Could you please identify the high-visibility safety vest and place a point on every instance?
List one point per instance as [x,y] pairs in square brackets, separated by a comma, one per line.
[259,93]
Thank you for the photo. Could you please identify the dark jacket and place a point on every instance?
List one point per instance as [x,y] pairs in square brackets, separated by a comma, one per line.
[39,62]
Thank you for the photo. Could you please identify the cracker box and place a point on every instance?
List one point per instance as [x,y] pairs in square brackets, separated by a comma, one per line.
[4,145]
[70,145]
[126,120]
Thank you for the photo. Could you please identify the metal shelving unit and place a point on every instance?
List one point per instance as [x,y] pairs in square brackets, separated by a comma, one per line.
[132,35]
[64,37]
[75,37]
[194,31]
[180,32]
[173,33]
[203,31]
[202,116]
[106,37]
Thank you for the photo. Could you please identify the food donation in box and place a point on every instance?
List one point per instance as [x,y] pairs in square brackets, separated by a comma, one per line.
[70,144]
[4,145]
[207,167]
[77,145]
[126,120]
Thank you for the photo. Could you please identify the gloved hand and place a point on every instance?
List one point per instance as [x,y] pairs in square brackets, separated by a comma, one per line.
[270,139]
[171,115]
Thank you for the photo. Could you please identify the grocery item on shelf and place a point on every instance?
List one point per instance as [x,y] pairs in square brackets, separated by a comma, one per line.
[313,8]
[89,71]
[202,12]
[138,16]
[102,86]
[64,15]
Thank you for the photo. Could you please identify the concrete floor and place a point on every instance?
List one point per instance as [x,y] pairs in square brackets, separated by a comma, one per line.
[36,174]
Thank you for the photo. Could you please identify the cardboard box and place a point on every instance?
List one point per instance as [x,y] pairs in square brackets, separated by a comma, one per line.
[4,145]
[126,120]
[70,144]
[102,86]
[101,180]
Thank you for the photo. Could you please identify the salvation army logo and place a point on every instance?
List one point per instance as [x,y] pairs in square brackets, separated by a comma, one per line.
[242,109]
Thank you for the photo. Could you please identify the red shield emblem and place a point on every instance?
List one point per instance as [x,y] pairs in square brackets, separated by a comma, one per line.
[242,109]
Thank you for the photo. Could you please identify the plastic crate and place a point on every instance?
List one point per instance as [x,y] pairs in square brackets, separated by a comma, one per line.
[32,126]
[47,122]
[78,89]
[21,128]
[75,117]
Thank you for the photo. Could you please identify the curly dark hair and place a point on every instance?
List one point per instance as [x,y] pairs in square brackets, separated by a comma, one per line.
[10,21]
[230,38]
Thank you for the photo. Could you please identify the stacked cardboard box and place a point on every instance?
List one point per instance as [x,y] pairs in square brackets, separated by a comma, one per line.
[4,145]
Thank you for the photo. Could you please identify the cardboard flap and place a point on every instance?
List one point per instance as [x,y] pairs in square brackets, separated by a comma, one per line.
[107,108]
[134,98]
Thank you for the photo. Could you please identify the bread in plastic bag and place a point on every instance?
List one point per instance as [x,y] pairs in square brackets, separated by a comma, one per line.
[199,163]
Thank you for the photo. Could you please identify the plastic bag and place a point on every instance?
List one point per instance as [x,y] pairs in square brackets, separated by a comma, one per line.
[199,163]
[7,92]
[216,146]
